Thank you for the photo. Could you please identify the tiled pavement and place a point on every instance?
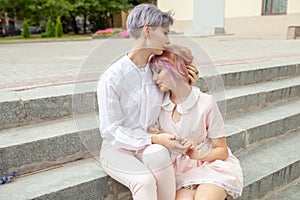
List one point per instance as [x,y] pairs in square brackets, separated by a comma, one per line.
[30,65]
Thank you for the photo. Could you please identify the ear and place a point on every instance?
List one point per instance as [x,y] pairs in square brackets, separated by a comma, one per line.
[147,29]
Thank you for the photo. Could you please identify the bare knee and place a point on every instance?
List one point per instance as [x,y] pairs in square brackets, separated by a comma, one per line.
[185,194]
[210,192]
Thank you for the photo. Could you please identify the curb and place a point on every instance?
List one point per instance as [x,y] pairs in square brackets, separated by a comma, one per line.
[46,40]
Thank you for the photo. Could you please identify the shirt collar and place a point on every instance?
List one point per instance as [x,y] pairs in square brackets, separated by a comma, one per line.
[145,68]
[185,106]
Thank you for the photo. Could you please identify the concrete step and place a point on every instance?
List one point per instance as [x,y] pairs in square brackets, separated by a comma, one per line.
[256,96]
[287,192]
[271,165]
[41,104]
[250,73]
[246,130]
[82,179]
[265,168]
[223,77]
[37,146]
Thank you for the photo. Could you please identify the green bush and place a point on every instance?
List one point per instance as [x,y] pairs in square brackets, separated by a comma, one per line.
[44,35]
[50,30]
[58,28]
[25,31]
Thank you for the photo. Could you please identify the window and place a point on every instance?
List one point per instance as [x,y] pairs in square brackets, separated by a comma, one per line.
[274,7]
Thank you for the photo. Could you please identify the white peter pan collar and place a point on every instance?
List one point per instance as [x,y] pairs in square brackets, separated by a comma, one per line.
[185,106]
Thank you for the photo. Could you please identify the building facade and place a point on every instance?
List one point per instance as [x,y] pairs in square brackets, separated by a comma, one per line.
[240,17]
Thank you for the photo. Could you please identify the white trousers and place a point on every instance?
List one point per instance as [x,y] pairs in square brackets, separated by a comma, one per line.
[149,175]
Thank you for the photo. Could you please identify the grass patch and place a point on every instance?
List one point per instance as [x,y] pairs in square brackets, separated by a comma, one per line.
[38,37]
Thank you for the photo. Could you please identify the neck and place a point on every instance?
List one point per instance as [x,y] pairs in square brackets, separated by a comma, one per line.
[180,93]
[139,58]
[139,55]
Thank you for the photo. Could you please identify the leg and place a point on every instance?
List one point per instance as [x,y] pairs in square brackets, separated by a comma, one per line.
[157,158]
[129,171]
[209,191]
[185,194]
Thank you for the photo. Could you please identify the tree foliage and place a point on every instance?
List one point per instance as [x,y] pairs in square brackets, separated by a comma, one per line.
[39,11]
[58,28]
[25,31]
[50,31]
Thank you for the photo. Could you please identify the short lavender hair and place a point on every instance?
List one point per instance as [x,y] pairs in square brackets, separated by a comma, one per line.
[147,14]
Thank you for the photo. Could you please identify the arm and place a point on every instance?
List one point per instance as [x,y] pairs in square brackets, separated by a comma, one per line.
[219,152]
[215,133]
[111,120]
[179,145]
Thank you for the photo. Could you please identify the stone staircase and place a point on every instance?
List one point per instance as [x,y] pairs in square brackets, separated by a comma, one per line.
[44,135]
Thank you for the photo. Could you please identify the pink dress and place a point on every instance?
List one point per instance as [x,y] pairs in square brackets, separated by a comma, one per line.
[201,121]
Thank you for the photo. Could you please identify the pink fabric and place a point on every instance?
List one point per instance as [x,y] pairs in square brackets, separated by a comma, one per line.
[201,121]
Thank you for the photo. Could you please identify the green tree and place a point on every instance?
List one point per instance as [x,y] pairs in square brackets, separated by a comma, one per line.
[114,6]
[50,30]
[25,31]
[84,8]
[98,12]
[58,28]
[136,2]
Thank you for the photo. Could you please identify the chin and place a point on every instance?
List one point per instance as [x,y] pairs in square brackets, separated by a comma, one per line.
[163,89]
[159,52]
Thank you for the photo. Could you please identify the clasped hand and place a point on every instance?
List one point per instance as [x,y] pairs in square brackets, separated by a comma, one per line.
[179,145]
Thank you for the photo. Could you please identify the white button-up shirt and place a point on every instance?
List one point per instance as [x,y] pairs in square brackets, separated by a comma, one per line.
[129,102]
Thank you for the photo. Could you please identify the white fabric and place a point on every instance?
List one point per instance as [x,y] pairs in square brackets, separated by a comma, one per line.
[149,174]
[125,114]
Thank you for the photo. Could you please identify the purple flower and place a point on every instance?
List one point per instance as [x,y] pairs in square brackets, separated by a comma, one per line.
[6,179]
[14,174]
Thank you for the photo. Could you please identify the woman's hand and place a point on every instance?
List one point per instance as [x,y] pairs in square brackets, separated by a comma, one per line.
[187,143]
[179,145]
[218,152]
[154,130]
[194,154]
[193,74]
[163,138]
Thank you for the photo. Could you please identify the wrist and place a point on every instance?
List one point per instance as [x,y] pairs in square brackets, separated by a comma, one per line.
[154,139]
[200,155]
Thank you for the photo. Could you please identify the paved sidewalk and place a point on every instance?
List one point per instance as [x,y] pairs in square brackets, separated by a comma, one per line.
[30,65]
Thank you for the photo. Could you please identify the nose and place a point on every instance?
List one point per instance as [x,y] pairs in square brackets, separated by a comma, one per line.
[168,41]
[154,77]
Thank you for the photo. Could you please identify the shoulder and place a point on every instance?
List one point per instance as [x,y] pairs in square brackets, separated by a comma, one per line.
[206,100]
[114,71]
[205,96]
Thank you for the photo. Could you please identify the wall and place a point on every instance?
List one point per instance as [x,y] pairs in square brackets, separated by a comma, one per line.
[242,17]
[183,12]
